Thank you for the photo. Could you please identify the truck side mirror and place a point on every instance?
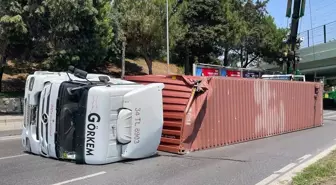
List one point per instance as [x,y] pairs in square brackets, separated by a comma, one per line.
[104,79]
[71,69]
[80,73]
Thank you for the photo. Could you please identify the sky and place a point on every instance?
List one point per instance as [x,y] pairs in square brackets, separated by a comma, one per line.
[319,13]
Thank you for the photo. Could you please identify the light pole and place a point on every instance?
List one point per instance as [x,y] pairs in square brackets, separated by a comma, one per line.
[167,27]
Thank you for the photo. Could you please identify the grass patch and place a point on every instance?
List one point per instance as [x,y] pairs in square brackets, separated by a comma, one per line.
[11,94]
[321,172]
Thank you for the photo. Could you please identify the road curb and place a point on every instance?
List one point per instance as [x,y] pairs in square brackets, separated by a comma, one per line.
[286,179]
[11,122]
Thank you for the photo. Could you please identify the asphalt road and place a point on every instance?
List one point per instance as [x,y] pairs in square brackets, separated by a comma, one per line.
[10,133]
[241,164]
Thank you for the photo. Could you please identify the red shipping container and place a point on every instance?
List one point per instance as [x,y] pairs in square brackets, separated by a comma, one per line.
[207,112]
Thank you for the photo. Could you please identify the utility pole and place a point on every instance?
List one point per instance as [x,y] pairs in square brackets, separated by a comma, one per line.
[178,2]
[293,40]
[123,59]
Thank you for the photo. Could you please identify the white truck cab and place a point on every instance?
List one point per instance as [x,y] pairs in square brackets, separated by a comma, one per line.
[90,120]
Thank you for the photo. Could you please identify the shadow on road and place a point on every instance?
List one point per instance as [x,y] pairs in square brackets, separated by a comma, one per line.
[196,158]
[202,158]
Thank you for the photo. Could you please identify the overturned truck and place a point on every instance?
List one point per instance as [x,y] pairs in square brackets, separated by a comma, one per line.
[91,118]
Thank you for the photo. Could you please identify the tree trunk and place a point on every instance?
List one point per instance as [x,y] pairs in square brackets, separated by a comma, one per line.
[246,61]
[241,57]
[123,60]
[1,74]
[187,63]
[89,68]
[149,63]
[226,55]
[249,62]
[2,67]
[246,64]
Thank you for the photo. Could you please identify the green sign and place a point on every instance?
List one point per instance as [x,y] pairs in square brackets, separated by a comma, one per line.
[303,7]
[289,8]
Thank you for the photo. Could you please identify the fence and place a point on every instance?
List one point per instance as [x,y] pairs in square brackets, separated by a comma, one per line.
[319,35]
[208,112]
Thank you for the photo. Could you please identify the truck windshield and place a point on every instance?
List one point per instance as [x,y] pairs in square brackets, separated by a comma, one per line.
[70,119]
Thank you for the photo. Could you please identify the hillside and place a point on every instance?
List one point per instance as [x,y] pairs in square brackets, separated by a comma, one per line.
[139,67]
[133,67]
[15,75]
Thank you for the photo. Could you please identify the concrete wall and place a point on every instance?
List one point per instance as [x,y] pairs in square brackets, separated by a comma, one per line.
[322,52]
[11,106]
[11,110]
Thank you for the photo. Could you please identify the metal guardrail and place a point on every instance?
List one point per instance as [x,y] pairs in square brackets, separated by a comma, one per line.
[319,35]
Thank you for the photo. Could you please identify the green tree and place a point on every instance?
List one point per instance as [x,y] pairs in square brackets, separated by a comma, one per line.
[236,27]
[79,32]
[60,32]
[206,23]
[143,27]
[177,31]
[142,24]
[13,33]
[261,39]
[213,27]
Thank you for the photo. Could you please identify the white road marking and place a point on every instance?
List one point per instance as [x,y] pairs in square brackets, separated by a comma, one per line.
[81,178]
[330,116]
[268,179]
[286,168]
[13,156]
[328,113]
[9,138]
[304,158]
[287,177]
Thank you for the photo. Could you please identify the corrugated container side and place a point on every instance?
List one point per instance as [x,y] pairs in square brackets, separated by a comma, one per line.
[232,110]
[239,110]
[176,96]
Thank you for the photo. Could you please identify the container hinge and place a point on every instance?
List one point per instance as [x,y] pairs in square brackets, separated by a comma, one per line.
[197,86]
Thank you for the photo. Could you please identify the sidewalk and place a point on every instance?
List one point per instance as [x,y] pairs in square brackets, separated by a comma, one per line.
[12,122]
[322,171]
